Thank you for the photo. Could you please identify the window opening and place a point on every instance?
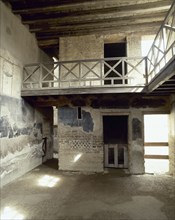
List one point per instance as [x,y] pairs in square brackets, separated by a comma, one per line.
[112,50]
[79,112]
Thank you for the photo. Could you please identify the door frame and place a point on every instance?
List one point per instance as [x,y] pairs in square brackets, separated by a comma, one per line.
[126,149]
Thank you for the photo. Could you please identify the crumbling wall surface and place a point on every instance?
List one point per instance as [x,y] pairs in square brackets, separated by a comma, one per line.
[172,136]
[21,129]
[20,138]
[80,140]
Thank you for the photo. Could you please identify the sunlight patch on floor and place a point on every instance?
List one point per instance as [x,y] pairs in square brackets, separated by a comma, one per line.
[11,214]
[48,181]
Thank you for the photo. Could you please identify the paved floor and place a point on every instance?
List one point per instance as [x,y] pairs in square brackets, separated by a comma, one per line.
[109,196]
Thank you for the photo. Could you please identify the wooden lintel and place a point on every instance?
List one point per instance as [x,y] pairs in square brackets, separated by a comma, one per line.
[91,5]
[156,144]
[166,157]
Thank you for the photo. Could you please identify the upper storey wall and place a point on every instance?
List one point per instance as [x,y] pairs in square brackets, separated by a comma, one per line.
[92,47]
[81,47]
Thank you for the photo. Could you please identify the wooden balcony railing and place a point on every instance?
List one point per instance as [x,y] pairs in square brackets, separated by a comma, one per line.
[163,47]
[111,72]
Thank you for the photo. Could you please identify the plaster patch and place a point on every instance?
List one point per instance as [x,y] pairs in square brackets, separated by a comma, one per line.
[68,116]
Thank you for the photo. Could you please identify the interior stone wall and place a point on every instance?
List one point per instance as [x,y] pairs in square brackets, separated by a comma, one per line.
[136,143]
[89,47]
[83,138]
[80,140]
[21,124]
[45,115]
[80,48]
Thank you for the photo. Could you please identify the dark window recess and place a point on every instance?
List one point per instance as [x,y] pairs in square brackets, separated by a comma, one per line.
[110,51]
[115,129]
[79,113]
[120,155]
[111,155]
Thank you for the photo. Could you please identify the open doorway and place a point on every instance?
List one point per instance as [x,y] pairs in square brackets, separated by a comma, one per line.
[112,50]
[156,143]
[115,134]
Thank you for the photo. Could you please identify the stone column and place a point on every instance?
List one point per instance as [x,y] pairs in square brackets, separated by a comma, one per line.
[172,137]
[136,148]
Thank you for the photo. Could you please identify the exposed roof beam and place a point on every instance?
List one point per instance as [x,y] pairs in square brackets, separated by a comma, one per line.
[151,27]
[120,22]
[95,17]
[92,5]
[48,43]
[97,14]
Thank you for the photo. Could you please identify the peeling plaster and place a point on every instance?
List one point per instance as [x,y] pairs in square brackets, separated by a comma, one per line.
[68,116]
[10,162]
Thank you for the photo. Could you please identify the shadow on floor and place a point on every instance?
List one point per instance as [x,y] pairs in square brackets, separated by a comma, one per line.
[52,163]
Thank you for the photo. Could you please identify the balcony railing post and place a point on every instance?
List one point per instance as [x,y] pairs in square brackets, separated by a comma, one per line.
[40,76]
[101,73]
[80,74]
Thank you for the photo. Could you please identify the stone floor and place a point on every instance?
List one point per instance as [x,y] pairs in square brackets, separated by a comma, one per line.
[109,196]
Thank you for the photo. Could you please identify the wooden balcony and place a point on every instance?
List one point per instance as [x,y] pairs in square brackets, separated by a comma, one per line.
[156,72]
[161,57]
[85,76]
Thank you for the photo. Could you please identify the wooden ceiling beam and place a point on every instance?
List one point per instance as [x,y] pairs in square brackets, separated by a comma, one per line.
[113,24]
[92,5]
[96,23]
[48,43]
[150,28]
[96,17]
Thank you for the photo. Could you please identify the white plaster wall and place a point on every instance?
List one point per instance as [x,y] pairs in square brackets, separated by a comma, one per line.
[16,40]
[20,148]
[17,48]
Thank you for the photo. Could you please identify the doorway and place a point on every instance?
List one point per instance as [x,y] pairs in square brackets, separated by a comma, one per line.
[112,50]
[115,137]
[156,143]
